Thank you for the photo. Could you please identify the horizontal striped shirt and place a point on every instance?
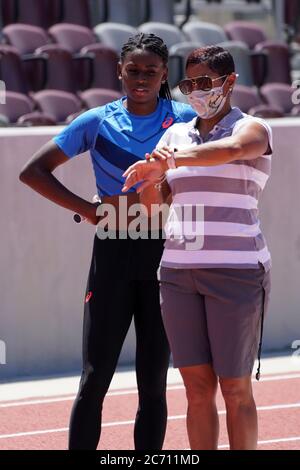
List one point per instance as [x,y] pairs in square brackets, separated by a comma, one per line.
[213,220]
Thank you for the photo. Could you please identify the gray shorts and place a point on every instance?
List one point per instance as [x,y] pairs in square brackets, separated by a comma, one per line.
[213,316]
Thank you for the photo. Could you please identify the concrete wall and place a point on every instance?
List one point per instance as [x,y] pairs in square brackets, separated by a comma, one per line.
[44,257]
[280,217]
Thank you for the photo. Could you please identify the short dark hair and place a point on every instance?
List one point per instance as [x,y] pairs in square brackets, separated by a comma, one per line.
[152,43]
[219,60]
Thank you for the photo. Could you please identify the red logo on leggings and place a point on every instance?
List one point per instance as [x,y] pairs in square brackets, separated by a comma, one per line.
[88,296]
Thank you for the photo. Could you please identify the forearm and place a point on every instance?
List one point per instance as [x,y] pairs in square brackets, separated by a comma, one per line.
[46,184]
[210,154]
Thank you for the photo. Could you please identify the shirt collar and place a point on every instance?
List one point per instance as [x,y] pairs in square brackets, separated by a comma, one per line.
[226,122]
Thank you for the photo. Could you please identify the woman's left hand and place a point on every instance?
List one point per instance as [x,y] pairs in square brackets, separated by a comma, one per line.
[162,154]
[148,172]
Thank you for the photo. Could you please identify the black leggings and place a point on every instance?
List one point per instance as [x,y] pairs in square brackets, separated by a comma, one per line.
[122,283]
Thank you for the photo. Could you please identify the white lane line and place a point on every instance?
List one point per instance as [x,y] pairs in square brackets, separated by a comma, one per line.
[125,423]
[36,402]
[277,377]
[126,392]
[33,433]
[72,397]
[269,441]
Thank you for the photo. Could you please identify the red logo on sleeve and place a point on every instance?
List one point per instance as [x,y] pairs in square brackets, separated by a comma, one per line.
[88,296]
[167,122]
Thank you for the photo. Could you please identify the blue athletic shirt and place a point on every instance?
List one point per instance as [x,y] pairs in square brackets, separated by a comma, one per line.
[117,138]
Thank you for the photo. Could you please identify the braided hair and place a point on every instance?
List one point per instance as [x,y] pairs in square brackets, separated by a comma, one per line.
[151,43]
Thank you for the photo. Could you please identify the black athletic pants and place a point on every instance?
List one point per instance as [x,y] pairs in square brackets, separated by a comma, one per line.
[122,284]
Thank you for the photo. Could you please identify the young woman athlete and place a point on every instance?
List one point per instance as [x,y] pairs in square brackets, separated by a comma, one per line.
[122,281]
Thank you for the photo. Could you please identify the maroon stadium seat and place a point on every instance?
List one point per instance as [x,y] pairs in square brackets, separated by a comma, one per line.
[12,70]
[36,118]
[57,104]
[279,95]
[245,31]
[60,68]
[266,111]
[245,97]
[98,97]
[278,61]
[26,38]
[72,37]
[103,59]
[16,105]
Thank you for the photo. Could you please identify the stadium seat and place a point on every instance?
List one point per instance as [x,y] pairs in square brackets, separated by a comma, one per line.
[291,19]
[114,35]
[71,36]
[162,11]
[15,106]
[245,31]
[248,100]
[266,111]
[128,12]
[60,68]
[102,58]
[98,97]
[36,118]
[12,70]
[177,60]
[205,33]
[278,61]
[57,104]
[168,32]
[245,97]
[98,11]
[279,95]
[242,59]
[26,38]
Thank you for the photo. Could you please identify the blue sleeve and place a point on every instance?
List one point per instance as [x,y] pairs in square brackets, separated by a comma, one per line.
[80,135]
[185,111]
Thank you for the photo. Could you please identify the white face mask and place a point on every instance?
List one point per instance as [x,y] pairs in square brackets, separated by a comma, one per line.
[208,103]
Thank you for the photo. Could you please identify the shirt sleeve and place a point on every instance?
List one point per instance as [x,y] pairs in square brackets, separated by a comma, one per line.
[165,139]
[80,135]
[239,125]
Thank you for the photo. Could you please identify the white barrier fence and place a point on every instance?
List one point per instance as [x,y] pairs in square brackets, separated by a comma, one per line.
[44,257]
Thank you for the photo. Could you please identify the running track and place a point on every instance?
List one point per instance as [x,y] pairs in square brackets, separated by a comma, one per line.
[41,424]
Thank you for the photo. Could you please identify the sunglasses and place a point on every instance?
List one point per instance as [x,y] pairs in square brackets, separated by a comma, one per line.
[203,83]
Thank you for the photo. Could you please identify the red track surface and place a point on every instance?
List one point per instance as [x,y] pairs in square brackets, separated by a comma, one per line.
[40,424]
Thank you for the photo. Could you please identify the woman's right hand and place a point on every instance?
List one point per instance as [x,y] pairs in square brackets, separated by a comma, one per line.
[145,172]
